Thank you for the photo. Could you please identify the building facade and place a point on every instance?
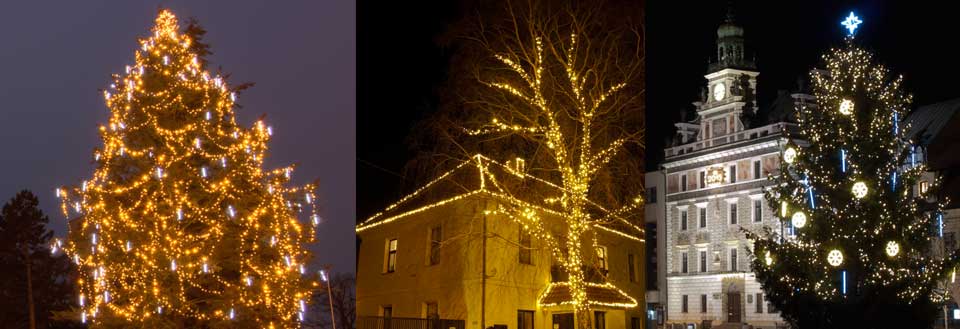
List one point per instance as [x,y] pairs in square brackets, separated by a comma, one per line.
[445,252]
[713,177]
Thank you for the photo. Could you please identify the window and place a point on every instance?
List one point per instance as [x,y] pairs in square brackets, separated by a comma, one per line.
[703,179]
[632,265]
[733,259]
[756,169]
[431,311]
[683,220]
[703,303]
[524,319]
[602,257]
[733,213]
[733,174]
[759,303]
[435,239]
[526,247]
[391,255]
[635,323]
[683,182]
[757,211]
[924,186]
[703,261]
[652,195]
[703,217]
[683,263]
[599,320]
[683,306]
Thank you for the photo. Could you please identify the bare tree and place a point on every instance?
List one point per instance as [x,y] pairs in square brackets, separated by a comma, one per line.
[559,85]
[344,299]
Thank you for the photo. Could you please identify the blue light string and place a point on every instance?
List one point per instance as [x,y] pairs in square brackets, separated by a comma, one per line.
[843,160]
[913,155]
[844,282]
[940,224]
[894,186]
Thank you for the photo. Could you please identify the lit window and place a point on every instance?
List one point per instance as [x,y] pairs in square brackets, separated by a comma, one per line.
[602,257]
[924,187]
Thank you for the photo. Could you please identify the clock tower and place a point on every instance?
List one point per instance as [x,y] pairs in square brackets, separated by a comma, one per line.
[730,93]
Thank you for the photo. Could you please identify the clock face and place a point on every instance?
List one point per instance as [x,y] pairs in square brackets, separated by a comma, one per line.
[719,91]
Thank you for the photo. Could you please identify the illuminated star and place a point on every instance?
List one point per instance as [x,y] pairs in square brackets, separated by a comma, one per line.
[851,23]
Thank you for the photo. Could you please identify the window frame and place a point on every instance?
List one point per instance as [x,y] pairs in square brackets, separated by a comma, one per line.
[684,304]
[603,258]
[683,262]
[703,254]
[683,220]
[757,210]
[702,217]
[521,318]
[733,259]
[757,169]
[390,261]
[733,213]
[525,245]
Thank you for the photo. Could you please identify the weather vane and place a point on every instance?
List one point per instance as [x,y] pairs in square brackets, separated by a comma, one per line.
[851,23]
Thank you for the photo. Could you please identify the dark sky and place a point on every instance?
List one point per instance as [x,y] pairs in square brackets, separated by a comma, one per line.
[400,66]
[301,55]
[913,39]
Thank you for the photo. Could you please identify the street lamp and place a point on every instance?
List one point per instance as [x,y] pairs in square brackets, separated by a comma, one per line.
[323,276]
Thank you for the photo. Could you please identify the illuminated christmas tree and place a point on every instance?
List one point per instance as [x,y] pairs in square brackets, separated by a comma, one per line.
[857,246]
[180,226]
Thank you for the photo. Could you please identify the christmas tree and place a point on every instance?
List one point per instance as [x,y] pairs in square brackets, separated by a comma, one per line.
[857,245]
[179,225]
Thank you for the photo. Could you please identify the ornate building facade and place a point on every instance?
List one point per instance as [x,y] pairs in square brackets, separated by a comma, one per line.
[714,176]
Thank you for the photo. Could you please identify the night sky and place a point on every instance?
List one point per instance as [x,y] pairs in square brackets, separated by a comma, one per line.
[301,55]
[401,66]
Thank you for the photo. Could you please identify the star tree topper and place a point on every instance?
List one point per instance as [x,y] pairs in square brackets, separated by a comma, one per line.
[851,23]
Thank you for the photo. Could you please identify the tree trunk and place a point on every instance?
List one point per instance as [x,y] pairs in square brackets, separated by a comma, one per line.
[33,318]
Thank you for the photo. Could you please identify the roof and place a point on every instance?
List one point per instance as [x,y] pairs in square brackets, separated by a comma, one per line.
[926,122]
[483,176]
[598,294]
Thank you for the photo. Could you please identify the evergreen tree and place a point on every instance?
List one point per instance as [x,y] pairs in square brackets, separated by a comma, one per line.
[35,281]
[180,226]
[857,246]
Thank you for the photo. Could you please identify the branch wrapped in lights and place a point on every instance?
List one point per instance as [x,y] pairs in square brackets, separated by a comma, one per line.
[180,223]
[862,244]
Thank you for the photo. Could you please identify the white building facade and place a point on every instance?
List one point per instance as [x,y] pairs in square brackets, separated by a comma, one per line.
[714,176]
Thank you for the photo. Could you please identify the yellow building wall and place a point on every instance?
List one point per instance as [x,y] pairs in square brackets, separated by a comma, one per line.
[456,283]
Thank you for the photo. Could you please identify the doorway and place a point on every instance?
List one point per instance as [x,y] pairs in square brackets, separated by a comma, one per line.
[733,307]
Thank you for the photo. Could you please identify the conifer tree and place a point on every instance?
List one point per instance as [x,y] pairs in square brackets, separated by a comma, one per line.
[857,245]
[180,225]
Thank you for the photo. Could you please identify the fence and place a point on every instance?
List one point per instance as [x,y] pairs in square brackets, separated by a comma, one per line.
[379,322]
